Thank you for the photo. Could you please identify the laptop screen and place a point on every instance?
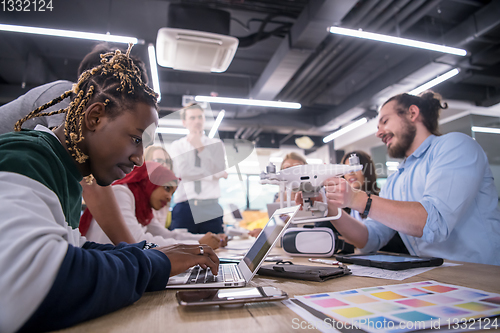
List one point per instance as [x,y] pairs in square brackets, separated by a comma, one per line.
[267,237]
[236,212]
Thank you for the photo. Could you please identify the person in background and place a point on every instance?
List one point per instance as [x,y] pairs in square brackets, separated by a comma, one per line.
[364,180]
[199,161]
[442,200]
[290,160]
[98,199]
[146,189]
[52,277]
[159,155]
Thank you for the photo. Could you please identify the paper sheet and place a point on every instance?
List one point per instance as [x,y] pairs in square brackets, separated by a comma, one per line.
[426,305]
[392,275]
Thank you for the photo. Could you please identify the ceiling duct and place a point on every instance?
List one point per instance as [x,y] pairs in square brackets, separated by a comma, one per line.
[196,39]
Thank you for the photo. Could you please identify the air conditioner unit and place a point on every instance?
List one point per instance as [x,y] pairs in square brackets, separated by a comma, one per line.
[192,50]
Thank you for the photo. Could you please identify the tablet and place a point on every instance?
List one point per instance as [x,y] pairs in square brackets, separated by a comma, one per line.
[392,261]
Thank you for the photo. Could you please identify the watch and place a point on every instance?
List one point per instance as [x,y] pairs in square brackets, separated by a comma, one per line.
[148,246]
[368,205]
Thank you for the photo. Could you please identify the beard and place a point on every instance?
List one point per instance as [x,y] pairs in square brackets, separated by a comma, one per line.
[405,139]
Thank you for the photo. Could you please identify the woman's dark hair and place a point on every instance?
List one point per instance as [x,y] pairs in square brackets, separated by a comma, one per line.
[116,82]
[369,171]
[429,103]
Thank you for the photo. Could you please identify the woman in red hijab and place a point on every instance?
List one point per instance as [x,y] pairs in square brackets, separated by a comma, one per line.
[147,187]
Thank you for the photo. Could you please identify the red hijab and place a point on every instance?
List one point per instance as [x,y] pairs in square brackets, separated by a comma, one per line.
[142,181]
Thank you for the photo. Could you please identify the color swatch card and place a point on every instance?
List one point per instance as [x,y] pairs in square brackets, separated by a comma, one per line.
[407,307]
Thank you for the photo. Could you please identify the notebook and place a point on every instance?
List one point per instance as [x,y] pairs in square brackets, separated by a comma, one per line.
[238,275]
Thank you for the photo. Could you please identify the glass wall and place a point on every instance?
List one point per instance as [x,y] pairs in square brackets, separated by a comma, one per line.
[246,193]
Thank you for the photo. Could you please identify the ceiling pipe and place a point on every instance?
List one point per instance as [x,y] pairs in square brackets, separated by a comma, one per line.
[307,33]
[329,44]
[458,36]
[248,131]
[415,18]
[288,136]
[338,61]
[257,132]
[238,132]
[337,48]
[335,69]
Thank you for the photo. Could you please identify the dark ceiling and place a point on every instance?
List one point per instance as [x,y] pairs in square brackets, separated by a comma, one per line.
[285,54]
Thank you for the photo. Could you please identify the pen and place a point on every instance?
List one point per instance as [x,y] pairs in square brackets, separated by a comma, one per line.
[324,261]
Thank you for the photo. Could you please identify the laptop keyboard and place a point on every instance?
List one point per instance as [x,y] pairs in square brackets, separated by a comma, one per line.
[227,273]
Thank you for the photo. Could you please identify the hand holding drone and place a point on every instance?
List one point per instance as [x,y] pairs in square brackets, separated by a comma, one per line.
[308,179]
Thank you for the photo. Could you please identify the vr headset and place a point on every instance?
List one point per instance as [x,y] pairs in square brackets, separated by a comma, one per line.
[316,242]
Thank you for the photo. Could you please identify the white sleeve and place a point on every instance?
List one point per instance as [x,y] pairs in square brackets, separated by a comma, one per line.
[156,228]
[212,159]
[126,202]
[33,243]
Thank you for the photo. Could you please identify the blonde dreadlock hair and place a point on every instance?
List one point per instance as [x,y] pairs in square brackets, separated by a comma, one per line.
[116,83]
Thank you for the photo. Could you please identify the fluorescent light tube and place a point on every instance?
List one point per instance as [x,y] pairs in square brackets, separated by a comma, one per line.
[154,70]
[172,130]
[344,130]
[491,130]
[244,101]
[397,40]
[435,82]
[69,33]
[215,127]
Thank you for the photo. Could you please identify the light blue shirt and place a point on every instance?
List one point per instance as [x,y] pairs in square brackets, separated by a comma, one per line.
[450,176]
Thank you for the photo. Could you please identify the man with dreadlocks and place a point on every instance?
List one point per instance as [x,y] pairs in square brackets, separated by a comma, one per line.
[51,277]
[100,200]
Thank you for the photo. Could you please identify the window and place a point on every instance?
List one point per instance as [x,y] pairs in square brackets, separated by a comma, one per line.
[246,193]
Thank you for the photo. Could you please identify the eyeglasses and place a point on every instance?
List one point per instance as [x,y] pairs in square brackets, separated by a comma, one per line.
[165,162]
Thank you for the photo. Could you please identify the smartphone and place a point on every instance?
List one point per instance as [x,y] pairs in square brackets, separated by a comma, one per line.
[324,261]
[229,296]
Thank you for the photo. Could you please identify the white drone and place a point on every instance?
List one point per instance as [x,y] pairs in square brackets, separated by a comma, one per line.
[309,179]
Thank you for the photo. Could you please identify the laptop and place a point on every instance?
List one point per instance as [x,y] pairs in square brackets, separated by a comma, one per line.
[236,212]
[238,275]
[272,207]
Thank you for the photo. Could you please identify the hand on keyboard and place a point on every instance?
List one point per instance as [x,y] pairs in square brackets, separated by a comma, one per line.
[199,275]
[183,256]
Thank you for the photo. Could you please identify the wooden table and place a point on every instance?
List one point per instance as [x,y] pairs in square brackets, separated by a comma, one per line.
[159,311]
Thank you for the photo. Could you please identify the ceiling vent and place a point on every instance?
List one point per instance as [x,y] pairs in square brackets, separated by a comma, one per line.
[196,39]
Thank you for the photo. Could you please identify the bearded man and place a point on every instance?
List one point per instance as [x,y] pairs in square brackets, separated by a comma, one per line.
[442,199]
